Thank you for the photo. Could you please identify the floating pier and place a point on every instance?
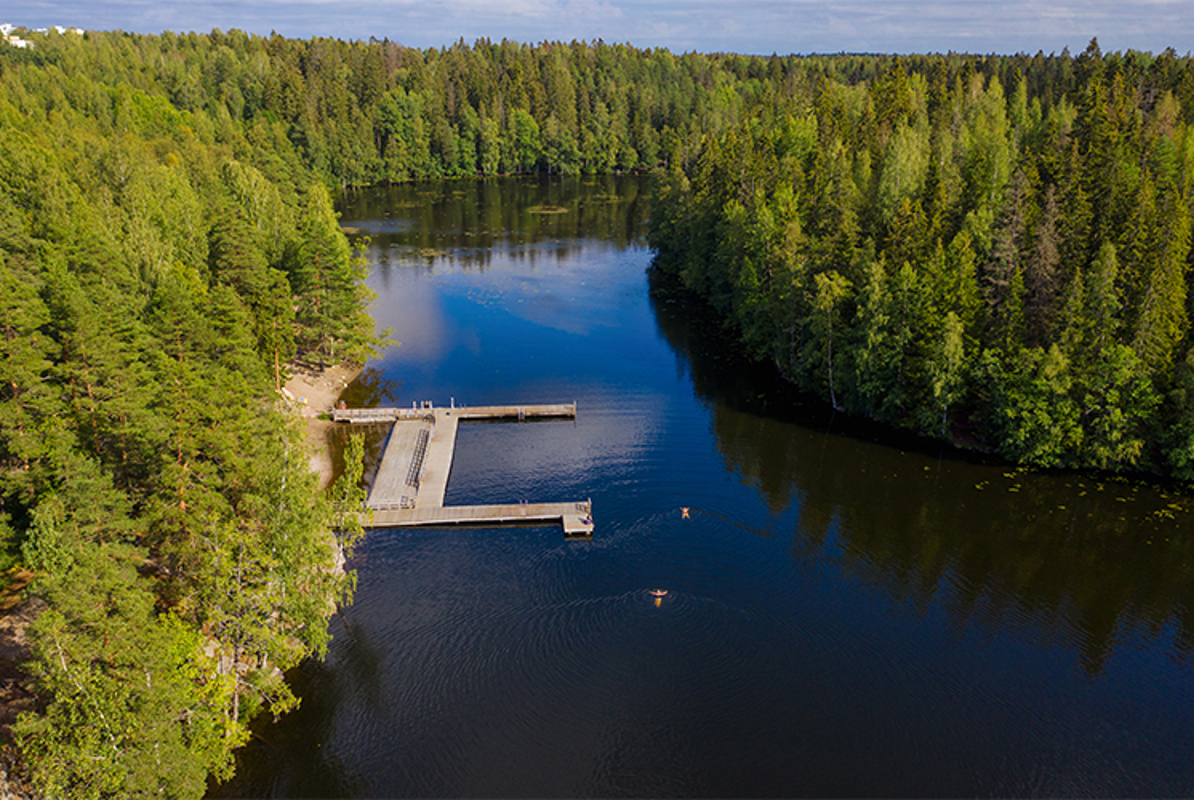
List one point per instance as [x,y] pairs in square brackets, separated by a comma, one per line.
[575,518]
[426,411]
[412,478]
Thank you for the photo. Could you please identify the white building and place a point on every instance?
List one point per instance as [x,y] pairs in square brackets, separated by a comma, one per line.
[7,28]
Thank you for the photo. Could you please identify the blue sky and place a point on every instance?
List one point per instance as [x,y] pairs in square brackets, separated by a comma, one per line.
[743,26]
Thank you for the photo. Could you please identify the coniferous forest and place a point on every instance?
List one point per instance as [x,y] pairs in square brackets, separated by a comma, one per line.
[993,250]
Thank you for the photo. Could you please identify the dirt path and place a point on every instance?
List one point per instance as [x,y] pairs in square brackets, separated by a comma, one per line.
[315,392]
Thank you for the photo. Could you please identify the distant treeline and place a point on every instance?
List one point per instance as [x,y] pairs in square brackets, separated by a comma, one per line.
[990,250]
[359,113]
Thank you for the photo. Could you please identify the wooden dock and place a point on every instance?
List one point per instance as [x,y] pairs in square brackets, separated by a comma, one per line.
[412,478]
[427,411]
[575,518]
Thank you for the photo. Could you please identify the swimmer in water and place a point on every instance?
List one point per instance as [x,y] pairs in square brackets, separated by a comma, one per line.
[684,512]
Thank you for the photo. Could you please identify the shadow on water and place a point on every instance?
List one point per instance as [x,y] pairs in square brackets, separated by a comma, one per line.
[372,389]
[922,522]
[290,760]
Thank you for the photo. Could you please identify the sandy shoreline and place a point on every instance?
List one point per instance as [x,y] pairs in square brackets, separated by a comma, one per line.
[315,392]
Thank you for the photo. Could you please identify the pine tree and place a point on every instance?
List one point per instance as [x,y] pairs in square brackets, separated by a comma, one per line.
[274,322]
[1162,321]
[1103,304]
[134,710]
[1005,273]
[235,258]
[26,398]
[1041,274]
[102,367]
[317,275]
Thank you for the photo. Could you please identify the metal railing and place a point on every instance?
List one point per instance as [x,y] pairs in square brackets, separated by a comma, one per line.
[414,472]
[392,505]
[381,414]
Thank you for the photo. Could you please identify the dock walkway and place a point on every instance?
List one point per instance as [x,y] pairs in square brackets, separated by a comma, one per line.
[427,411]
[575,518]
[412,478]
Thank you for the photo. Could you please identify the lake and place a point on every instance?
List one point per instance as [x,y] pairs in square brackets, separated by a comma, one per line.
[848,612]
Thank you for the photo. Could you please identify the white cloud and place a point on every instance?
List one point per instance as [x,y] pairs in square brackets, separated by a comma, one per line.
[592,9]
[749,26]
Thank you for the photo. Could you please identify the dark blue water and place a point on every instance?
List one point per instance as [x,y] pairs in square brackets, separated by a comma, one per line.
[843,616]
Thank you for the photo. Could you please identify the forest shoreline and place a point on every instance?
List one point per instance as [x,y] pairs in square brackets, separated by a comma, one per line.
[309,392]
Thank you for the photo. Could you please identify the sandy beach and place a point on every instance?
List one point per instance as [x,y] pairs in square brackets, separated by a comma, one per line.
[315,392]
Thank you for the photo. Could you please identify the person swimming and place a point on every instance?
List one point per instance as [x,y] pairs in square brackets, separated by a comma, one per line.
[684,512]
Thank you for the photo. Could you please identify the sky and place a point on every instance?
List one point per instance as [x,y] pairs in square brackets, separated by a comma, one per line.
[741,26]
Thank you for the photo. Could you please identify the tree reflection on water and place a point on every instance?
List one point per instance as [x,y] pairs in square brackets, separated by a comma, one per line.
[996,545]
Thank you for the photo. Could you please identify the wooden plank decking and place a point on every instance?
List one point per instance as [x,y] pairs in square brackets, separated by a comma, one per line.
[425,412]
[575,518]
[412,478]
